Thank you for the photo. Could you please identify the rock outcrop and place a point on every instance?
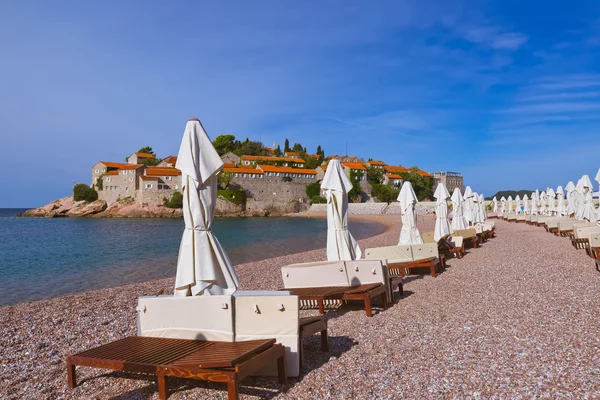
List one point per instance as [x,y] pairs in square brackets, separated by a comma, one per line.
[67,207]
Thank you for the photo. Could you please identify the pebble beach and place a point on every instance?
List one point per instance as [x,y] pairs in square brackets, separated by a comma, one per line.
[517,318]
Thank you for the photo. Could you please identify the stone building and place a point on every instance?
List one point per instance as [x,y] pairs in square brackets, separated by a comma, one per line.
[229,157]
[450,179]
[279,161]
[169,161]
[358,168]
[135,158]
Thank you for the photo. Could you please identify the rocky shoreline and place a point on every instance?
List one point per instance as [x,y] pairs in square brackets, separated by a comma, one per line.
[67,207]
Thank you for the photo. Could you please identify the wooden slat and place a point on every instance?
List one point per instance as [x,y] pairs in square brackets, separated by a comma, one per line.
[223,354]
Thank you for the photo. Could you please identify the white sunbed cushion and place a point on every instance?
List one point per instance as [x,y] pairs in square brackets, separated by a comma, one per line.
[393,254]
[314,274]
[273,315]
[193,317]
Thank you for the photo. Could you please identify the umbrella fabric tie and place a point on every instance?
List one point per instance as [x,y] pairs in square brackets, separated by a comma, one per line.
[199,229]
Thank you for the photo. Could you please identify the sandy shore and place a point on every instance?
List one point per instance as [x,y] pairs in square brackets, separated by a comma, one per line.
[517,318]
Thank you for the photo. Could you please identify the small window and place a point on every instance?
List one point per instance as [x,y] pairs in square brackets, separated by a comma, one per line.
[148,186]
[107,179]
[176,186]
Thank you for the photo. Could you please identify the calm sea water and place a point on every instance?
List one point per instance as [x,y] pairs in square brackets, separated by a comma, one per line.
[47,257]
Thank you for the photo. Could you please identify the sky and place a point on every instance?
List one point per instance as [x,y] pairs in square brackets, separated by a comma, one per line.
[505,92]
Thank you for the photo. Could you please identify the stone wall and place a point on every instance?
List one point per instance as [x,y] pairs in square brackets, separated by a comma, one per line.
[272,194]
[424,207]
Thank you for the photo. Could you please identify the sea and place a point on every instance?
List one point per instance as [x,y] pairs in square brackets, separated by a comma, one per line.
[47,257]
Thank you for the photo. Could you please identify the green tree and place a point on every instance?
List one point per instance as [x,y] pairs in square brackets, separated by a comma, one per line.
[384,193]
[224,179]
[354,194]
[248,148]
[374,174]
[320,151]
[100,182]
[147,161]
[277,152]
[298,148]
[313,189]
[224,143]
[147,150]
[82,191]
[286,146]
[423,185]
[175,202]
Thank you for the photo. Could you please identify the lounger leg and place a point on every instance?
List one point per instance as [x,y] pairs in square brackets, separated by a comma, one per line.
[324,343]
[432,267]
[232,386]
[281,373]
[71,378]
[162,386]
[384,300]
[321,306]
[368,306]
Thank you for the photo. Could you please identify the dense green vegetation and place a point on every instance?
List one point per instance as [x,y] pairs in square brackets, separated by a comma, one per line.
[81,191]
[313,191]
[354,194]
[237,197]
[384,193]
[175,202]
[423,185]
[226,143]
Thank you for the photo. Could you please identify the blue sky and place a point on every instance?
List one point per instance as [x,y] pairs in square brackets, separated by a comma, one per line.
[506,92]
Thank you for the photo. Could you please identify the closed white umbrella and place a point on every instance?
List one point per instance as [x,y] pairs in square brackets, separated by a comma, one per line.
[589,211]
[598,210]
[535,202]
[525,204]
[579,196]
[543,203]
[551,201]
[509,204]
[560,201]
[203,267]
[458,217]
[482,207]
[518,204]
[409,234]
[571,198]
[442,226]
[502,204]
[340,243]
[476,208]
[495,204]
[468,205]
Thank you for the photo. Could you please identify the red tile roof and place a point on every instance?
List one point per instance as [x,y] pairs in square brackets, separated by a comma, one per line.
[267,158]
[394,168]
[144,155]
[354,165]
[393,176]
[130,166]
[228,165]
[170,159]
[375,163]
[162,171]
[289,170]
[111,164]
[111,173]
[243,170]
[291,153]
[423,173]
[149,178]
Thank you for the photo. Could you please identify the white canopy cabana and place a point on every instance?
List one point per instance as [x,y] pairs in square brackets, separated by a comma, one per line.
[203,267]
[468,211]
[571,190]
[409,234]
[442,226]
[458,218]
[340,243]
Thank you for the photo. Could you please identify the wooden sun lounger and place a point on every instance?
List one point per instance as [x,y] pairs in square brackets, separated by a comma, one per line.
[396,269]
[364,293]
[227,362]
[308,327]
